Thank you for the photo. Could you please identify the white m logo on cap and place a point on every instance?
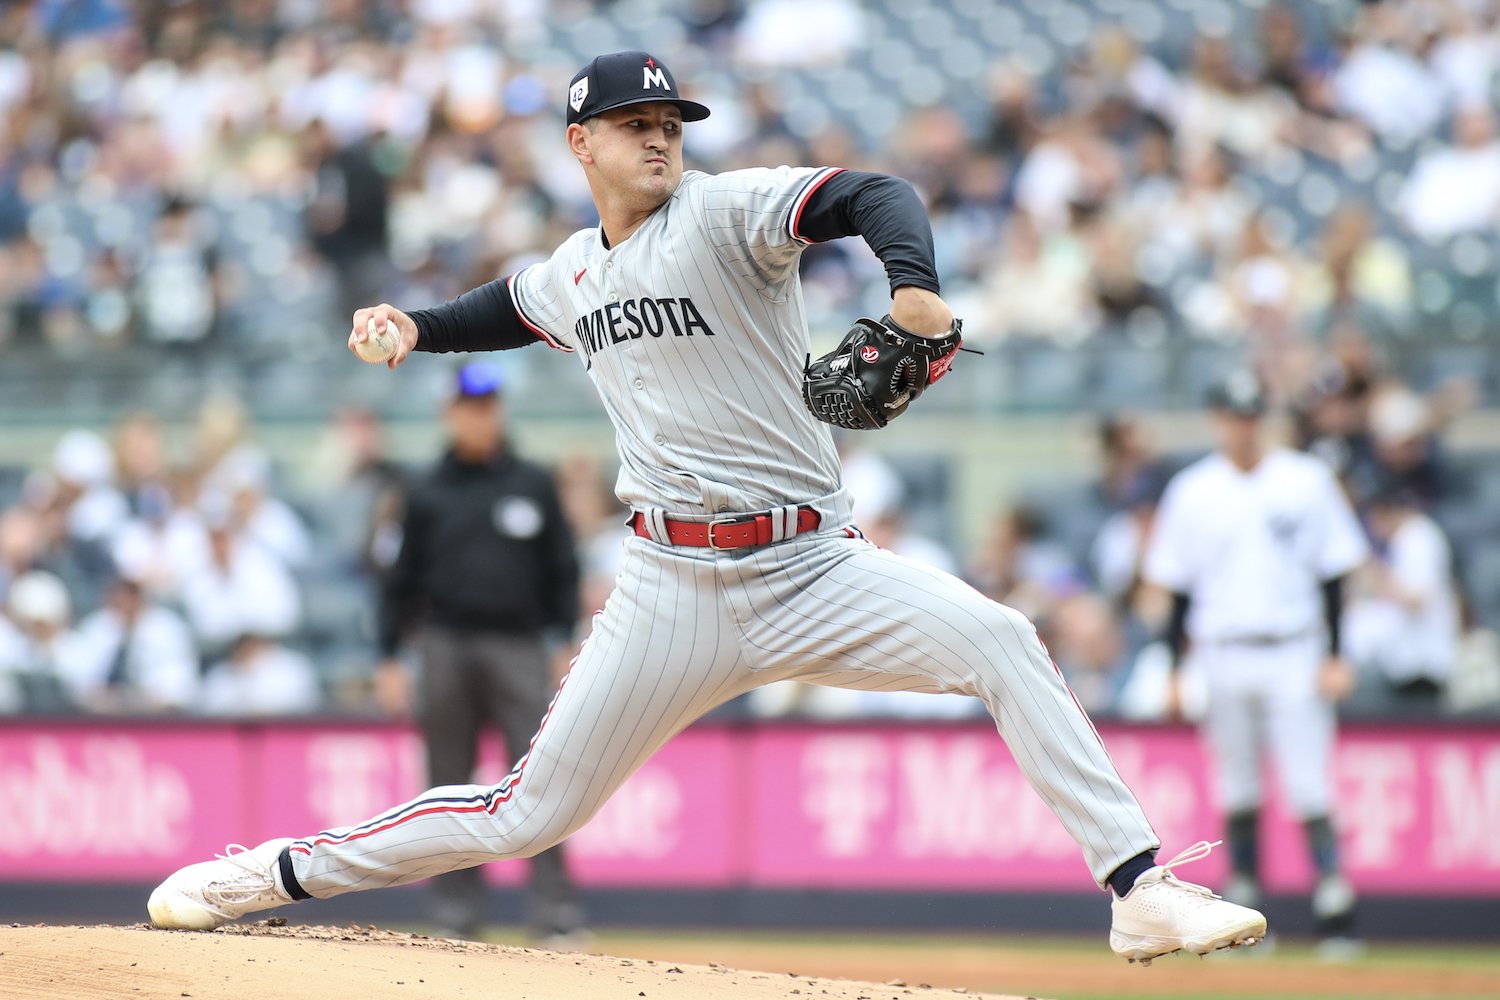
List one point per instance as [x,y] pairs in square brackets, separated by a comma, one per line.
[653,74]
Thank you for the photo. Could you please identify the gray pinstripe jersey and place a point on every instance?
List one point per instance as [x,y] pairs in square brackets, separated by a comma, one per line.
[694,334]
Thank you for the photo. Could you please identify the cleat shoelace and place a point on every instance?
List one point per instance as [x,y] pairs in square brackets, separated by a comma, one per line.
[237,891]
[1197,852]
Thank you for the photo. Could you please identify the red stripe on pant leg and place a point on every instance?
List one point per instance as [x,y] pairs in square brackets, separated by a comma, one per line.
[1095,731]
[521,765]
[514,778]
[480,807]
[1076,703]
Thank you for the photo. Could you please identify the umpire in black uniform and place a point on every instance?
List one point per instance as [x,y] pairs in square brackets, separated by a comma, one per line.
[487,566]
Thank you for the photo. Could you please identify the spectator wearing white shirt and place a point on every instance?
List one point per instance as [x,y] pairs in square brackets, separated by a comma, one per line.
[46,542]
[1457,189]
[1072,165]
[260,677]
[166,542]
[1383,84]
[176,279]
[241,589]
[84,469]
[35,645]
[800,32]
[1467,55]
[15,79]
[245,477]
[132,655]
[1404,629]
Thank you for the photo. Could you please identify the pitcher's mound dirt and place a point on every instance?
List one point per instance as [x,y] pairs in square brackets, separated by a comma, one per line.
[264,962]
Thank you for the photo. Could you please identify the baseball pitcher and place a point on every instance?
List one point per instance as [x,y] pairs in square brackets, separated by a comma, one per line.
[743,566]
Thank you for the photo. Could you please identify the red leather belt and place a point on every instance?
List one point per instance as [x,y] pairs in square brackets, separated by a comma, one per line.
[726,532]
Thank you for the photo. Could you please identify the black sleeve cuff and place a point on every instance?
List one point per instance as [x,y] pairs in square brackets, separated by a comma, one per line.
[289,878]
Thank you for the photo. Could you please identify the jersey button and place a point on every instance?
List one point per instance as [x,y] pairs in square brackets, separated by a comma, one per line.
[661,439]
[640,383]
[613,297]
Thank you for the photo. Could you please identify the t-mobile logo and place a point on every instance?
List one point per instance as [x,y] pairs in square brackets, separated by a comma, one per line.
[845,792]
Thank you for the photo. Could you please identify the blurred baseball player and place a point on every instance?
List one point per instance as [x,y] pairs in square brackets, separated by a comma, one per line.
[744,566]
[1254,542]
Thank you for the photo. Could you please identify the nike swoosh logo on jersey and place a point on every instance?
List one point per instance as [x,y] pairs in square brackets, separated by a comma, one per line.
[579,276]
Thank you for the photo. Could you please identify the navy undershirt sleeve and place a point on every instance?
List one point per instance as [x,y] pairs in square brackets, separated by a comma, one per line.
[482,319]
[1176,637]
[1333,612]
[884,210]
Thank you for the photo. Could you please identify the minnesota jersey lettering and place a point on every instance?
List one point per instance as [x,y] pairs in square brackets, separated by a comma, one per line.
[619,322]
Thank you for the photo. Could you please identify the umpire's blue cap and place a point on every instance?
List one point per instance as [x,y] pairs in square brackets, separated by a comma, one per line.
[620,78]
[476,380]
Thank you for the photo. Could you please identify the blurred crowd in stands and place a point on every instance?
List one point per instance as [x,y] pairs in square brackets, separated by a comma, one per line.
[241,174]
[150,571]
[1308,182]
[135,580]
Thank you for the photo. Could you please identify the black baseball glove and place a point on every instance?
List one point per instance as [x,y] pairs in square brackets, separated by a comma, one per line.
[875,373]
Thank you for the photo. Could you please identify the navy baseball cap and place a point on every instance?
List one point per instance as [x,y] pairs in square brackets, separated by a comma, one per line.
[1240,393]
[476,380]
[620,78]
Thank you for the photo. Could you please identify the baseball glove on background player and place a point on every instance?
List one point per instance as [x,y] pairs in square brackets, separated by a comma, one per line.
[875,372]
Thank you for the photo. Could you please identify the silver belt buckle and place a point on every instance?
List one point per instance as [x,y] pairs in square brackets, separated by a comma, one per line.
[715,523]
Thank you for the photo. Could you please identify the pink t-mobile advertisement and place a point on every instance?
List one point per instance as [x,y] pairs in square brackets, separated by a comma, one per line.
[878,806]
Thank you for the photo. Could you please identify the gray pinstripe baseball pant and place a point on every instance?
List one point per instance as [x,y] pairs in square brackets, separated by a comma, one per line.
[686,630]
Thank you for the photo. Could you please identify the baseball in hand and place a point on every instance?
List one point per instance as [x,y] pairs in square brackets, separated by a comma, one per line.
[377,348]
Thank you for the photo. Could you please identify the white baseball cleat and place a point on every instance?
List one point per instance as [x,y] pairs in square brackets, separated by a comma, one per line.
[203,896]
[1162,914]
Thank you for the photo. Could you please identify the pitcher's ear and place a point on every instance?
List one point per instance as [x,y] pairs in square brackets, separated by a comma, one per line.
[579,136]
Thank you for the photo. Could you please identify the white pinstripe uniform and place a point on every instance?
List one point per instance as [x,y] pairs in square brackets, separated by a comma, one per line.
[1251,550]
[693,332]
